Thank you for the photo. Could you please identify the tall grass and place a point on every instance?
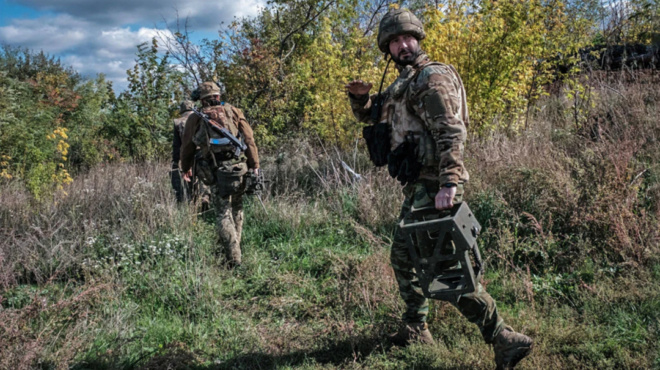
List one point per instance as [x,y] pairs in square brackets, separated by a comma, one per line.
[115,275]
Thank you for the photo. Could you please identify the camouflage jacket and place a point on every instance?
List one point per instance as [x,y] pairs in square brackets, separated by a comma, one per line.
[236,123]
[427,100]
[179,125]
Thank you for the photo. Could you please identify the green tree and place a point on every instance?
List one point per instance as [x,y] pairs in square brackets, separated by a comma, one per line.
[39,98]
[140,121]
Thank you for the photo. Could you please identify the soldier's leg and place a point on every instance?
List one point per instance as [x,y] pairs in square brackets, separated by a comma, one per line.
[226,228]
[201,194]
[480,309]
[175,177]
[417,306]
[237,214]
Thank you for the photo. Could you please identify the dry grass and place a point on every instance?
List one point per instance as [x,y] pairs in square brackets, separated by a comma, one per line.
[595,179]
[571,242]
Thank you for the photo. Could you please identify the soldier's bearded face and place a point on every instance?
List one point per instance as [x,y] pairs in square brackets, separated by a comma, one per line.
[404,49]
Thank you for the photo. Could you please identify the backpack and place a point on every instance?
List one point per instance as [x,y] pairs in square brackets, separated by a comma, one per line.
[210,140]
[216,162]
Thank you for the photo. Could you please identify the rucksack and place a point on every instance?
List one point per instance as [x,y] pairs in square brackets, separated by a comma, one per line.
[220,159]
[210,139]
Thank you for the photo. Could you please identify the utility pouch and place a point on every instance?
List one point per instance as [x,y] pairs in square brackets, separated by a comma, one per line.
[220,145]
[402,162]
[204,170]
[377,137]
[230,178]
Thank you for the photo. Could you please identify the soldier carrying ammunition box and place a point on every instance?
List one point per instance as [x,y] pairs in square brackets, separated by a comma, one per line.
[418,130]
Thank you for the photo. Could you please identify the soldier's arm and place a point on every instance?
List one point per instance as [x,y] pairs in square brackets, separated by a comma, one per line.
[244,127]
[187,145]
[361,102]
[440,102]
[361,106]
[176,148]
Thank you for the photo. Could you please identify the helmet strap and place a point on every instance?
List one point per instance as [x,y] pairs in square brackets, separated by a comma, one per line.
[211,101]
[382,79]
[379,99]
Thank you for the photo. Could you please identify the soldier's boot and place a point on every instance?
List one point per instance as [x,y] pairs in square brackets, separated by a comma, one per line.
[413,333]
[233,256]
[511,347]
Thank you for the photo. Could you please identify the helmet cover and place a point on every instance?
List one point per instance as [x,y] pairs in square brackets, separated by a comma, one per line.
[398,22]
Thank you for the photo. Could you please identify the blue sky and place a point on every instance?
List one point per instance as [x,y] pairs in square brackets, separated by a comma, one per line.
[101,36]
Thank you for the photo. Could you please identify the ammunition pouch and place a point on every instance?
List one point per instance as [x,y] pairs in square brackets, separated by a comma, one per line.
[377,137]
[222,147]
[227,177]
[204,170]
[402,163]
[230,178]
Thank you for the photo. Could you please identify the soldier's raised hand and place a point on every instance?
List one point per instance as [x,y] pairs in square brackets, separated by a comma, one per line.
[358,87]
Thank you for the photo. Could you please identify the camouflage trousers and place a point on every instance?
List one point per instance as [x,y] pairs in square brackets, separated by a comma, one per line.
[189,191]
[229,223]
[478,307]
[182,189]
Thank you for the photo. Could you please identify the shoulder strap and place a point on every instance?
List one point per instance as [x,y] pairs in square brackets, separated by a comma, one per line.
[229,111]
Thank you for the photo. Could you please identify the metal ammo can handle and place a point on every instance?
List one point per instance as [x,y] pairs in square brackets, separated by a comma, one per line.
[446,215]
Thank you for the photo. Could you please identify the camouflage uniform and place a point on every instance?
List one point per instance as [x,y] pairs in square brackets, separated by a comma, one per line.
[428,101]
[182,189]
[228,203]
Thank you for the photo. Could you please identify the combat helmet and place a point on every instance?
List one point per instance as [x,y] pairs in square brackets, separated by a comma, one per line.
[186,106]
[208,89]
[398,22]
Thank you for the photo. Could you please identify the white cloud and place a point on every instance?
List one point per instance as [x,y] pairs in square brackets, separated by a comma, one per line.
[95,37]
[203,14]
[122,40]
[54,35]
[113,69]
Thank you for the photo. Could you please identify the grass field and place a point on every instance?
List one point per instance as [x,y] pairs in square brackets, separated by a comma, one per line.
[116,275]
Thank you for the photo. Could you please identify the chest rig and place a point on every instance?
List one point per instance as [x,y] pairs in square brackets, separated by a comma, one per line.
[412,147]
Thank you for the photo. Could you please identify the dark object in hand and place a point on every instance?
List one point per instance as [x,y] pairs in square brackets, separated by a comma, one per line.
[402,162]
[254,183]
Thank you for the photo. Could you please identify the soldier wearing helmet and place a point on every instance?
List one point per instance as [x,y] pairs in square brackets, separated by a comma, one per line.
[425,113]
[218,167]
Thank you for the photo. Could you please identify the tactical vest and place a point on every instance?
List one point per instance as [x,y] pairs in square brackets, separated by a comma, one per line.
[411,147]
[180,123]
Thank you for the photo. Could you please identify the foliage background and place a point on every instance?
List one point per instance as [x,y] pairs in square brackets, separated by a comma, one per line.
[286,69]
[99,268]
